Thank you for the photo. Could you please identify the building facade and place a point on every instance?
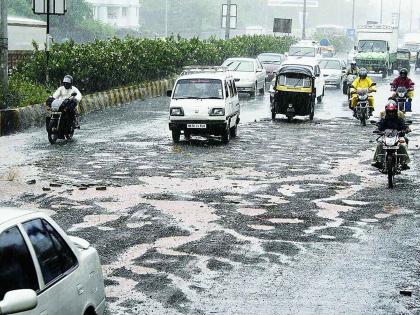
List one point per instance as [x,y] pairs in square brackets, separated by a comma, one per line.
[118,13]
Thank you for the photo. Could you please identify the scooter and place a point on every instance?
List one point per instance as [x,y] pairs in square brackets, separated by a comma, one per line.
[60,123]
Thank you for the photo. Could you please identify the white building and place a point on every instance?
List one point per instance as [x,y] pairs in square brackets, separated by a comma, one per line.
[119,13]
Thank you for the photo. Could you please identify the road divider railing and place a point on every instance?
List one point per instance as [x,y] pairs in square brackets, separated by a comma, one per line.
[18,119]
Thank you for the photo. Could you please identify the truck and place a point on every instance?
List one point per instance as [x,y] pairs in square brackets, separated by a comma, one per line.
[377,48]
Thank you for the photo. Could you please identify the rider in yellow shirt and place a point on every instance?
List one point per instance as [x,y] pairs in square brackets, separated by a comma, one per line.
[362,82]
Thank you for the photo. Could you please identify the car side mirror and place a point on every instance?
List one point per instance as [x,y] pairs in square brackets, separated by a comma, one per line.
[373,122]
[74,94]
[18,301]
[387,48]
[408,122]
[259,70]
[317,74]
[169,93]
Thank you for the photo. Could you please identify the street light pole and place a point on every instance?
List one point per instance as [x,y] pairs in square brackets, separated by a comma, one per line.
[382,6]
[353,14]
[304,20]
[166,18]
[4,58]
[411,17]
[227,33]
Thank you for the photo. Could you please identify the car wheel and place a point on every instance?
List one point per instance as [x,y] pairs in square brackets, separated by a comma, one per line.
[234,131]
[176,134]
[226,134]
[273,115]
[187,136]
[262,90]
[319,99]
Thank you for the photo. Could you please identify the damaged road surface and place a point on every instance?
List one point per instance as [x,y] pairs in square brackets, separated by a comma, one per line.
[288,218]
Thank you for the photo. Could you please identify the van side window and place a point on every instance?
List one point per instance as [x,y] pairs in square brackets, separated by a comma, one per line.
[234,88]
[226,90]
[17,270]
[231,92]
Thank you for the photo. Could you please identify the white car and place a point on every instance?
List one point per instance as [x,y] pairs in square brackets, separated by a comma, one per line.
[44,271]
[204,102]
[305,49]
[249,74]
[333,70]
[313,65]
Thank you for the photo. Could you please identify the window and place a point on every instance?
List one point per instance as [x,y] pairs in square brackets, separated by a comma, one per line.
[113,13]
[240,66]
[198,89]
[294,80]
[17,270]
[302,51]
[330,64]
[124,11]
[226,90]
[231,92]
[54,255]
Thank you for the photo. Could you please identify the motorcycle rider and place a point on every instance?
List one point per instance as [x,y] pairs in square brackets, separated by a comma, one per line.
[403,81]
[392,121]
[65,92]
[353,69]
[362,82]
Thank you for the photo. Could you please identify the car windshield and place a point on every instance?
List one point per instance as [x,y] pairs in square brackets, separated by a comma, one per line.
[403,55]
[240,66]
[302,51]
[330,64]
[372,46]
[294,80]
[269,59]
[198,89]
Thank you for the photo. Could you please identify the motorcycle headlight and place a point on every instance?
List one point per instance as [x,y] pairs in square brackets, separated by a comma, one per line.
[217,112]
[401,94]
[177,111]
[363,97]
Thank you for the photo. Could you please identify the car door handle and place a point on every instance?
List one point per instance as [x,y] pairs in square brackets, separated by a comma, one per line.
[80,289]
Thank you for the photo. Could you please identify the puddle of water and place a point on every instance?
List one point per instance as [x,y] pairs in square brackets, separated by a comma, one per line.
[251,211]
[286,221]
[94,220]
[290,190]
[369,220]
[355,202]
[327,237]
[383,215]
[261,227]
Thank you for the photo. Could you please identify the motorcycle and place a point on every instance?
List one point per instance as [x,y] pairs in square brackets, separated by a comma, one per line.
[391,141]
[363,111]
[60,123]
[402,99]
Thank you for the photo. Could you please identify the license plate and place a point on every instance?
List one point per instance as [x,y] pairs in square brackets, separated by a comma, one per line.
[196,126]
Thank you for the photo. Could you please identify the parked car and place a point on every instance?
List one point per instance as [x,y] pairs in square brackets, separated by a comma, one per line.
[249,74]
[312,64]
[45,271]
[205,102]
[333,70]
[271,63]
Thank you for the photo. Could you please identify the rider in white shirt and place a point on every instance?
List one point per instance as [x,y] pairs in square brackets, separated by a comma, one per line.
[65,92]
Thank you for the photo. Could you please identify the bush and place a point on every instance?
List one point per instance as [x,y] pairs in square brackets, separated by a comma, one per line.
[23,92]
[106,64]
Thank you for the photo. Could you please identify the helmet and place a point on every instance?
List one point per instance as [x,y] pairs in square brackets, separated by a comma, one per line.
[403,72]
[353,64]
[391,109]
[363,73]
[68,81]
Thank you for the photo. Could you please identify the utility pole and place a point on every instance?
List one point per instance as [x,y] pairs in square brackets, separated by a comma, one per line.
[411,17]
[399,19]
[4,58]
[47,45]
[353,14]
[227,33]
[166,18]
[381,16]
[304,20]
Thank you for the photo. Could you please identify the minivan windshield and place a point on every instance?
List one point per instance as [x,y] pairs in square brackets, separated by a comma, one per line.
[240,66]
[198,89]
[372,46]
[270,59]
[302,51]
[330,64]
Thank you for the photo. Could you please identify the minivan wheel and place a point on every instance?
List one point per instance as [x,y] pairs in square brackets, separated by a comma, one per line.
[176,134]
[226,135]
[234,131]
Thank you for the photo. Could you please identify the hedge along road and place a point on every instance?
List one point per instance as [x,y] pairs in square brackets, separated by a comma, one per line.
[285,219]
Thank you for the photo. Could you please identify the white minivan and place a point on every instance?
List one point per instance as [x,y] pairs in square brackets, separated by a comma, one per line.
[44,271]
[204,102]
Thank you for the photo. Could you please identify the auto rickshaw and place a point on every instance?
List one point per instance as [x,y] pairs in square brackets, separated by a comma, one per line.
[403,59]
[417,63]
[294,92]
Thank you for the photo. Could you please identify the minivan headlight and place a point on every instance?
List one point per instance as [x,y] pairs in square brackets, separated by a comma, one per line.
[176,111]
[217,112]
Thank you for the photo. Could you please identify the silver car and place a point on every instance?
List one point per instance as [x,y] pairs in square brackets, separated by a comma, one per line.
[333,70]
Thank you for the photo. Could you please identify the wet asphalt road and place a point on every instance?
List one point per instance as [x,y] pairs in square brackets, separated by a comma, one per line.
[285,219]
